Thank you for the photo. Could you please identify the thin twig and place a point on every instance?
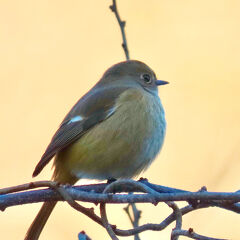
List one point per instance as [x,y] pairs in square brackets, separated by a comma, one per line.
[177,213]
[126,209]
[104,218]
[191,234]
[178,216]
[27,186]
[122,24]
[156,227]
[87,211]
[136,217]
[106,224]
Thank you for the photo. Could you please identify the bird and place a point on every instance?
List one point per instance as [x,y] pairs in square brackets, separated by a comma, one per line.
[114,131]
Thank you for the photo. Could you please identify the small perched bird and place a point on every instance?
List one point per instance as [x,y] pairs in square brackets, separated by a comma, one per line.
[114,131]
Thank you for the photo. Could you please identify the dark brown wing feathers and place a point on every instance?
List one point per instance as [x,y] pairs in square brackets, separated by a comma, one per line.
[93,108]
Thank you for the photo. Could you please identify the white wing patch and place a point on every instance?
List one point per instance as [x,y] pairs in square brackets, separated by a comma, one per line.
[79,118]
[111,111]
[75,119]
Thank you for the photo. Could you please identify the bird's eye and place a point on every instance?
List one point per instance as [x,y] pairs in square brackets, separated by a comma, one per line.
[146,78]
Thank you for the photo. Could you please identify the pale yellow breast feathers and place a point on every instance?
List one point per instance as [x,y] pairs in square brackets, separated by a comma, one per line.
[122,145]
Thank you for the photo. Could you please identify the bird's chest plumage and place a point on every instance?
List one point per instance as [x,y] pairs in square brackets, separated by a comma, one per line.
[146,127]
[124,144]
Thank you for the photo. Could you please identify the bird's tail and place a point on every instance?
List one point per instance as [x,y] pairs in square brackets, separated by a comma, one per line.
[40,220]
[60,176]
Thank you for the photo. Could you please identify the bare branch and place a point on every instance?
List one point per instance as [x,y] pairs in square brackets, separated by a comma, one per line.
[178,216]
[104,215]
[191,234]
[95,193]
[122,24]
[136,217]
[89,212]
[106,224]
[27,186]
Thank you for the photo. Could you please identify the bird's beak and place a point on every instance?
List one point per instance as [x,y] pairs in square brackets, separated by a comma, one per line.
[161,82]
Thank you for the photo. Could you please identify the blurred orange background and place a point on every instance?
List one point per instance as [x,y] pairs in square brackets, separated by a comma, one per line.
[52,52]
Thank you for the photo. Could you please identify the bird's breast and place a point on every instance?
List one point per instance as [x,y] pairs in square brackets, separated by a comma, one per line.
[147,124]
[124,144]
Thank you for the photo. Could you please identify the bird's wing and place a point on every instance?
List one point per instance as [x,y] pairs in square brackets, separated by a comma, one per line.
[91,109]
